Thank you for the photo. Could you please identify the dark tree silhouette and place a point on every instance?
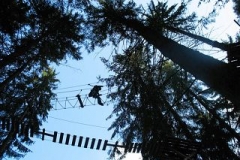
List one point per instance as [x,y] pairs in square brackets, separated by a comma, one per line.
[33,35]
[160,100]
[119,20]
[155,99]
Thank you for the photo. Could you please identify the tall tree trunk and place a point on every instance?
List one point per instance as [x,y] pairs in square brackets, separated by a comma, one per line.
[210,42]
[216,74]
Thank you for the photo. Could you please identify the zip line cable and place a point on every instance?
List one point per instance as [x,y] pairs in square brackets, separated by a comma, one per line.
[75,90]
[72,90]
[74,68]
[79,123]
[61,99]
[81,85]
[66,91]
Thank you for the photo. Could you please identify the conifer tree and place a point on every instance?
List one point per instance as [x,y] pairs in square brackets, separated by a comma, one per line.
[114,21]
[155,99]
[34,34]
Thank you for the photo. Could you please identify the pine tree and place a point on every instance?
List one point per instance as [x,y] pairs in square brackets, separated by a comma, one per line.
[156,99]
[34,34]
[116,21]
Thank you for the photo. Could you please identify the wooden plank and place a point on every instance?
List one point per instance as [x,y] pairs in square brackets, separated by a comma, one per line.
[86,142]
[135,147]
[61,137]
[80,141]
[67,139]
[126,148]
[139,148]
[105,145]
[43,133]
[130,147]
[74,140]
[99,144]
[174,148]
[92,143]
[55,136]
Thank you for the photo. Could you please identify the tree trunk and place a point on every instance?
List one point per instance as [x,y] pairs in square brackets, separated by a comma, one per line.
[216,74]
[212,43]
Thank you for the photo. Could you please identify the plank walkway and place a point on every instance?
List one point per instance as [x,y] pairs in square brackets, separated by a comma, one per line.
[171,148]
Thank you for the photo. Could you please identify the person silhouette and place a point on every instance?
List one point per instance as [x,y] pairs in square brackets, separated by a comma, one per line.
[95,94]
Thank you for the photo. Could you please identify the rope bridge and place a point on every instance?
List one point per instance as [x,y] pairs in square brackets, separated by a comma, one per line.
[172,148]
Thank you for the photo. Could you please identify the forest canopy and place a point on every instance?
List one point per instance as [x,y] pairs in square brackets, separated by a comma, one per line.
[165,86]
[159,77]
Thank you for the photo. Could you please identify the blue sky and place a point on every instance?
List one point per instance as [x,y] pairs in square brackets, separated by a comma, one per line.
[90,121]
